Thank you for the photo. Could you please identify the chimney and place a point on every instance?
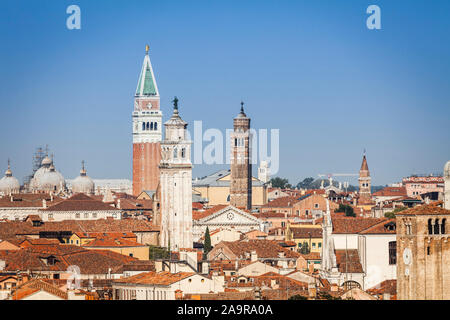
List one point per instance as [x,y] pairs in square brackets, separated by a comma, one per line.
[44,203]
[118,203]
[312,291]
[253,256]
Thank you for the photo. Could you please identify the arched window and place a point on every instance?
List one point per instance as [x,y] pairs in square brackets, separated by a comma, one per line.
[443,226]
[151,125]
[175,153]
[436,226]
[235,142]
[183,152]
[351,284]
[148,125]
[430,227]
[143,126]
[156,126]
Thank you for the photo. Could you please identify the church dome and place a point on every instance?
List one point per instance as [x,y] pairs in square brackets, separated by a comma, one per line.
[83,183]
[447,170]
[9,184]
[51,180]
[46,162]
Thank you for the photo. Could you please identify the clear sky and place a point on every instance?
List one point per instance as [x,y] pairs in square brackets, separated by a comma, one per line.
[309,68]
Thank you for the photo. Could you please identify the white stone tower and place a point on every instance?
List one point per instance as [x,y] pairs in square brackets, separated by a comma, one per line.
[147,131]
[176,184]
[263,172]
[447,185]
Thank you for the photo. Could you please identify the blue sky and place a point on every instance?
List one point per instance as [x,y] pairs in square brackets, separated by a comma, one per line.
[310,68]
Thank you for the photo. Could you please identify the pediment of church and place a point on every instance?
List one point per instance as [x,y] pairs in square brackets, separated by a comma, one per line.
[230,216]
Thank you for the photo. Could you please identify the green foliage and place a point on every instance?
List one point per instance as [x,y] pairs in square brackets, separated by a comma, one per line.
[347,209]
[297,297]
[207,246]
[391,214]
[306,183]
[305,248]
[278,182]
[158,253]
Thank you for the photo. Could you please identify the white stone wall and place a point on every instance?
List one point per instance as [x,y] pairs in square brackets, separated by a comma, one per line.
[18,213]
[83,215]
[374,256]
[195,284]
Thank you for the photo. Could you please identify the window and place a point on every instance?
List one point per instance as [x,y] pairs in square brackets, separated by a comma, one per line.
[183,152]
[175,153]
[443,226]
[436,226]
[430,227]
[148,125]
[151,125]
[77,216]
[392,252]
[320,244]
[235,142]
[156,126]
[428,251]
[316,205]
[94,215]
[86,215]
[130,254]
[143,126]
[306,212]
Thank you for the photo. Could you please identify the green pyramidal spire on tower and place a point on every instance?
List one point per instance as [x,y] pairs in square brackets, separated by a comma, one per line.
[147,84]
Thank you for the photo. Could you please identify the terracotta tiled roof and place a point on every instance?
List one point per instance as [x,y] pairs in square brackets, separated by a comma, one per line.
[263,248]
[283,202]
[80,202]
[10,229]
[197,215]
[39,242]
[36,285]
[351,225]
[384,227]
[430,209]
[109,242]
[269,214]
[300,233]
[312,256]
[135,204]
[138,265]
[28,201]
[348,261]
[390,192]
[89,261]
[387,286]
[164,278]
[197,205]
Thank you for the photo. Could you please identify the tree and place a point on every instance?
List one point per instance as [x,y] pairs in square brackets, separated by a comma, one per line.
[392,214]
[347,209]
[207,245]
[305,248]
[306,183]
[281,183]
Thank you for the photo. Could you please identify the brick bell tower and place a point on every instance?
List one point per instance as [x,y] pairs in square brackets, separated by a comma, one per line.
[364,179]
[147,131]
[241,167]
